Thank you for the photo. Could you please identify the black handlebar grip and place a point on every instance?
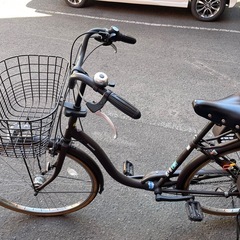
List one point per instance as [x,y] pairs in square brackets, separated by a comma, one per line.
[126,39]
[124,106]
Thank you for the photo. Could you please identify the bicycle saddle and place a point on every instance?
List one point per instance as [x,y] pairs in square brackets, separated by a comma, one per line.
[225,111]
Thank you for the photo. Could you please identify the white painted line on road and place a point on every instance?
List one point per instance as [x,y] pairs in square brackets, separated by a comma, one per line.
[142,23]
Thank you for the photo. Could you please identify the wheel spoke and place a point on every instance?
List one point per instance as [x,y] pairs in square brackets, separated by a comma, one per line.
[70,191]
[193,179]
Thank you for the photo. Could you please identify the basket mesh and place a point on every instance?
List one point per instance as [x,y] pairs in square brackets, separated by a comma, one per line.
[30,91]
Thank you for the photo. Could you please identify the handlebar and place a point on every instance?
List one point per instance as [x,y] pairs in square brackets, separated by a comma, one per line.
[115,35]
[126,39]
[124,106]
[110,96]
[106,37]
[103,35]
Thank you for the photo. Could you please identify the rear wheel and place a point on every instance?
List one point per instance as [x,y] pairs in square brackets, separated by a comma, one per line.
[74,188]
[79,3]
[207,10]
[192,178]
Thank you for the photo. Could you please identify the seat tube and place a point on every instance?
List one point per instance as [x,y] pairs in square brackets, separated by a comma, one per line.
[182,157]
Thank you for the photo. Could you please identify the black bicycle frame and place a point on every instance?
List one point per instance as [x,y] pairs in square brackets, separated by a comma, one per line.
[88,142]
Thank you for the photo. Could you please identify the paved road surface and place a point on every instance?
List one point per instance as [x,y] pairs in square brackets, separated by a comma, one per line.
[175,60]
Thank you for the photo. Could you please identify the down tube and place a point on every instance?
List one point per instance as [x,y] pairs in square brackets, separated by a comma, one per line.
[89,143]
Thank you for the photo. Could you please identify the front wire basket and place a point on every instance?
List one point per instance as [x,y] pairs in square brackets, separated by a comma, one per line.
[30,91]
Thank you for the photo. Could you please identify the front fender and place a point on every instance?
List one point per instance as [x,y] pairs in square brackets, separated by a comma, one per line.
[86,159]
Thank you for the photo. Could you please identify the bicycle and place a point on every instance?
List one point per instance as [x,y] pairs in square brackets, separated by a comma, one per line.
[44,174]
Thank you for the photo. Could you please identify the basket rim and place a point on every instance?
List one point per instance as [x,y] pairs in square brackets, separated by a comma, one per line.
[33,55]
[59,97]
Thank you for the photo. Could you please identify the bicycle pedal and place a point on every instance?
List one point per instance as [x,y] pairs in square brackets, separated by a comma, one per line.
[194,211]
[128,169]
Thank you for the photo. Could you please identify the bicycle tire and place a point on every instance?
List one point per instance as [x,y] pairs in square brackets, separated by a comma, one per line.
[215,205]
[75,187]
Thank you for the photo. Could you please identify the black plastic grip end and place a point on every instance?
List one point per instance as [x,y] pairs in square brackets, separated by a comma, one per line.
[126,39]
[124,106]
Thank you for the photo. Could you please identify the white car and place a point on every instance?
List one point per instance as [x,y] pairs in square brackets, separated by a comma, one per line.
[204,10]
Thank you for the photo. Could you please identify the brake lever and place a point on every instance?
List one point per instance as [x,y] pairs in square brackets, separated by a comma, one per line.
[100,39]
[114,47]
[94,107]
[106,38]
[109,121]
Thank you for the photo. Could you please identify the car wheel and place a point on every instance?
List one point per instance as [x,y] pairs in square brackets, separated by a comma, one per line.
[207,10]
[78,3]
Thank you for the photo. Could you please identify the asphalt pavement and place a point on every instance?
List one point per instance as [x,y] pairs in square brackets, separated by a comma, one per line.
[176,60]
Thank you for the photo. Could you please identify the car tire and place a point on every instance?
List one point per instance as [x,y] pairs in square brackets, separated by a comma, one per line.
[79,3]
[207,10]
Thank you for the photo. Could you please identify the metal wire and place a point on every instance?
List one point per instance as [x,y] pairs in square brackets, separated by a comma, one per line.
[30,91]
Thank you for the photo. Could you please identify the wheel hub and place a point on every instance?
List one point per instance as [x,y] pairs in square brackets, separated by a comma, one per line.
[39,180]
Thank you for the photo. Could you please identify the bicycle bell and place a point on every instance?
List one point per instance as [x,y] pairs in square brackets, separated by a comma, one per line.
[101,79]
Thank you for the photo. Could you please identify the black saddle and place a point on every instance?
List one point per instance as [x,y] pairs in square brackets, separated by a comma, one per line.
[225,111]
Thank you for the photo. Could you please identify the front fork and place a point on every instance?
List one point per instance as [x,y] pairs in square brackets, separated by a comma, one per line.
[57,166]
[64,145]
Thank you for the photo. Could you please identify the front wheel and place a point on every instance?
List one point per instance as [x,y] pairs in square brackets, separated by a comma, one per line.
[79,3]
[207,10]
[74,188]
[214,179]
